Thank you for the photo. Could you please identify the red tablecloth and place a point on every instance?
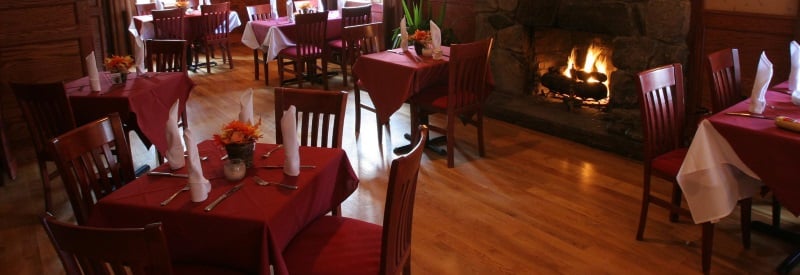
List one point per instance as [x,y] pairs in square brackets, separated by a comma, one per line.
[391,78]
[142,102]
[248,230]
[771,152]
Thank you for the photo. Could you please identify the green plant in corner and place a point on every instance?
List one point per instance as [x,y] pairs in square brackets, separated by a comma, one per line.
[415,20]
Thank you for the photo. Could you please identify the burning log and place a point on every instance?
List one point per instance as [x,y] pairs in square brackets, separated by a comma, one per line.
[578,87]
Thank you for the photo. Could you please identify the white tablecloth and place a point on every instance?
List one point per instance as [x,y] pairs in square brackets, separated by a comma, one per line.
[275,40]
[713,178]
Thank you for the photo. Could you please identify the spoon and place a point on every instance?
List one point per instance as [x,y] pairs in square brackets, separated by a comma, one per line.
[268,153]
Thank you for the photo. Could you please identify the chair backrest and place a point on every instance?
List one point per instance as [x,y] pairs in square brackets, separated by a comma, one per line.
[356,15]
[661,96]
[320,115]
[94,160]
[350,3]
[165,55]
[96,250]
[726,77]
[217,25]
[399,208]
[469,65]
[259,12]
[145,9]
[168,24]
[361,39]
[311,32]
[47,112]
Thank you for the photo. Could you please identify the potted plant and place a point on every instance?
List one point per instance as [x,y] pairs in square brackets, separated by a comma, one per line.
[416,20]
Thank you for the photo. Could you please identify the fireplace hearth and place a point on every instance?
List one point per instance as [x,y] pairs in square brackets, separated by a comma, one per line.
[534,42]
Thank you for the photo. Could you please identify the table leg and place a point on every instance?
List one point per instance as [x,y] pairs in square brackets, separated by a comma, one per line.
[431,143]
[774,230]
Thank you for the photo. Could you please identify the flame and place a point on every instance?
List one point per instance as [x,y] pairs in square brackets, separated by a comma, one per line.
[596,61]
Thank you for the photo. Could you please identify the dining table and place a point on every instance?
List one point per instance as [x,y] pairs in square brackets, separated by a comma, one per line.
[273,35]
[734,152]
[249,229]
[143,102]
[141,28]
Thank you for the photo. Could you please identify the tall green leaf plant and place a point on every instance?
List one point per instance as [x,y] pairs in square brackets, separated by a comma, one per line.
[416,20]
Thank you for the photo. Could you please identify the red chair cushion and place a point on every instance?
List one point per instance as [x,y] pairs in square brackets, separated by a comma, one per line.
[292,51]
[335,245]
[336,44]
[669,163]
[435,96]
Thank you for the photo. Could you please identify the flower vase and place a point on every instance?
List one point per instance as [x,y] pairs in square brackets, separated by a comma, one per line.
[243,151]
[418,46]
[123,76]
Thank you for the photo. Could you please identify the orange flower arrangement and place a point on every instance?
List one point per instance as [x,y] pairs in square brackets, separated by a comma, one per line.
[421,36]
[119,64]
[237,132]
[182,4]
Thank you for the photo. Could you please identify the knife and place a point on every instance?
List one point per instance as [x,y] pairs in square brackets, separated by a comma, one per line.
[281,166]
[168,174]
[225,195]
[750,115]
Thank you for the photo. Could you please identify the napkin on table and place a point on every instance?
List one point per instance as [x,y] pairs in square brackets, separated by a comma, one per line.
[794,74]
[403,35]
[159,5]
[91,68]
[758,99]
[436,36]
[246,107]
[291,165]
[199,186]
[174,152]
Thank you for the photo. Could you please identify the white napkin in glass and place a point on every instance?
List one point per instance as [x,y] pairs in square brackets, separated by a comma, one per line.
[436,36]
[246,107]
[403,35]
[199,186]
[91,68]
[159,5]
[758,100]
[794,75]
[291,147]
[174,152]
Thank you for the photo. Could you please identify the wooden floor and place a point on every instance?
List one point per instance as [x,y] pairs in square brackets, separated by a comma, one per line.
[536,204]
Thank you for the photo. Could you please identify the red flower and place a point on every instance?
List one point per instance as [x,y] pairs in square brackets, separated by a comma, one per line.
[237,132]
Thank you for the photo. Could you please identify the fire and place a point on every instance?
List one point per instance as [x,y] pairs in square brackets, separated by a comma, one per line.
[596,61]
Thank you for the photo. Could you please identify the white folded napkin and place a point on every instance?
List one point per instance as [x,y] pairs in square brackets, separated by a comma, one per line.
[91,68]
[794,74]
[199,186]
[436,36]
[758,100]
[246,107]
[159,5]
[319,6]
[174,152]
[291,147]
[403,35]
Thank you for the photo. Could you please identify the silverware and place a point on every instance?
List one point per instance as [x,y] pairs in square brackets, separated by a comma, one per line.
[262,182]
[224,196]
[781,90]
[268,153]
[224,157]
[201,158]
[750,115]
[168,174]
[281,166]
[165,202]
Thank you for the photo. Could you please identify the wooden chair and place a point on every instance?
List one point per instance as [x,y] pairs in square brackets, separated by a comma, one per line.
[216,33]
[260,12]
[98,250]
[350,3]
[358,40]
[47,113]
[145,9]
[94,160]
[463,96]
[350,16]
[320,115]
[664,118]
[165,55]
[339,245]
[310,45]
[168,24]
[726,77]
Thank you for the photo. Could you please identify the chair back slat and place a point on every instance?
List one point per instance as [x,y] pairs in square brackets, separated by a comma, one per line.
[399,208]
[216,21]
[94,160]
[362,39]
[145,8]
[311,32]
[259,12]
[168,24]
[726,77]
[469,64]
[95,250]
[320,115]
[358,15]
[661,95]
[165,55]
[47,111]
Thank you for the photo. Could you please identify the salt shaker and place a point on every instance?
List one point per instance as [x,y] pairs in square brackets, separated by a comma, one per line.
[234,169]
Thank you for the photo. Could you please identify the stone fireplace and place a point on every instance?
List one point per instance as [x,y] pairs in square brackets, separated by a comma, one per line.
[534,37]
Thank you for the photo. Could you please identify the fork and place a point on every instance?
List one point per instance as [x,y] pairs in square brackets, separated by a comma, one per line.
[165,202]
[262,182]
[268,153]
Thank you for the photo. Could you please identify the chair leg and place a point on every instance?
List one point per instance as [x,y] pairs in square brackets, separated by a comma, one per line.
[230,57]
[208,59]
[645,205]
[676,201]
[344,73]
[708,243]
[266,69]
[451,140]
[324,73]
[280,71]
[745,206]
[407,266]
[48,201]
[357,94]
[255,61]
[479,125]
